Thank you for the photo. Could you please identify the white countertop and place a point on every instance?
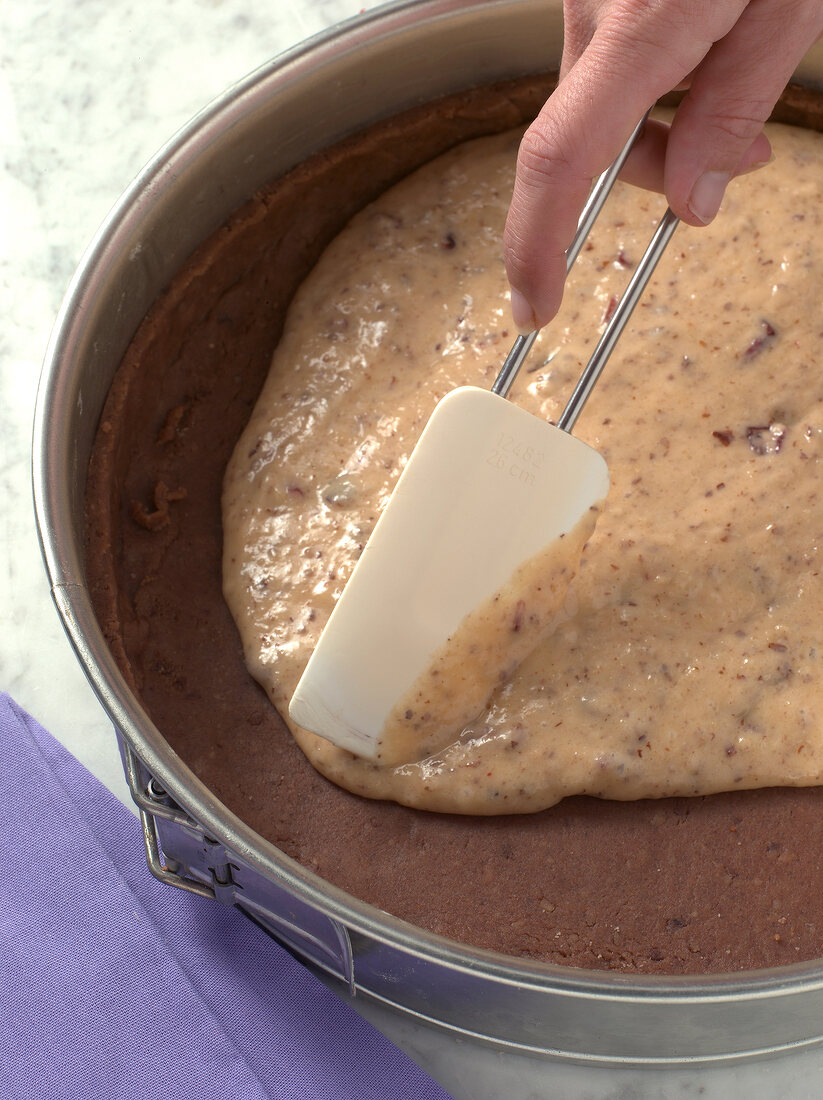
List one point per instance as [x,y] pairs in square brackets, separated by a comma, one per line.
[88,92]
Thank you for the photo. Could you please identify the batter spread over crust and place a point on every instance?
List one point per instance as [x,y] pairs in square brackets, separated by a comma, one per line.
[687,659]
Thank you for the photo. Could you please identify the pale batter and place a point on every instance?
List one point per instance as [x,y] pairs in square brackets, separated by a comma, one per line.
[688,660]
[485,650]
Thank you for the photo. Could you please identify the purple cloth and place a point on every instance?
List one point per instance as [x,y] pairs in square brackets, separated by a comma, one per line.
[114,985]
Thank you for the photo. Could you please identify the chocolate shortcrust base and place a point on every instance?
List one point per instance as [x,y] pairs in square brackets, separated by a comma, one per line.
[675,886]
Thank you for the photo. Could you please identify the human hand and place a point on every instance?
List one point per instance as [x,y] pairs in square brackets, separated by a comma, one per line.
[619,56]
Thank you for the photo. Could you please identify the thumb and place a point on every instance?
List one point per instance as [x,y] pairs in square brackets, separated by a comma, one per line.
[717,129]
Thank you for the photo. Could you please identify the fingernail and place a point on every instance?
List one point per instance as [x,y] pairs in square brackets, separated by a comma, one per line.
[707,194]
[522,314]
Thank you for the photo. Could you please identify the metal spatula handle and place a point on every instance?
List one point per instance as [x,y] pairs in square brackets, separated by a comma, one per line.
[623,311]
[594,204]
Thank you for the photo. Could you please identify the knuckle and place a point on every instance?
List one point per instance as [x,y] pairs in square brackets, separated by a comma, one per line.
[739,122]
[545,160]
[655,41]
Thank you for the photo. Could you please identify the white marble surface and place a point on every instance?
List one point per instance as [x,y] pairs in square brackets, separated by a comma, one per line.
[88,92]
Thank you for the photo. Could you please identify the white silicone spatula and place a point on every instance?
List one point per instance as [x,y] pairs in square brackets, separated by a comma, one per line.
[487,487]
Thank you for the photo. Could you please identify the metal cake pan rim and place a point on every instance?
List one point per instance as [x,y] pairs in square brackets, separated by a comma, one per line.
[63,560]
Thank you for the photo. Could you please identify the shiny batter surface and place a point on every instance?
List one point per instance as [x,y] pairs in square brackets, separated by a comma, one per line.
[687,658]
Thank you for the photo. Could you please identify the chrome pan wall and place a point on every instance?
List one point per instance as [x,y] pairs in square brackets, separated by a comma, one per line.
[371,67]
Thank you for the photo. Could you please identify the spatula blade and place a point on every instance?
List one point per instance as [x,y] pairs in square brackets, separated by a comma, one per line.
[487,486]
